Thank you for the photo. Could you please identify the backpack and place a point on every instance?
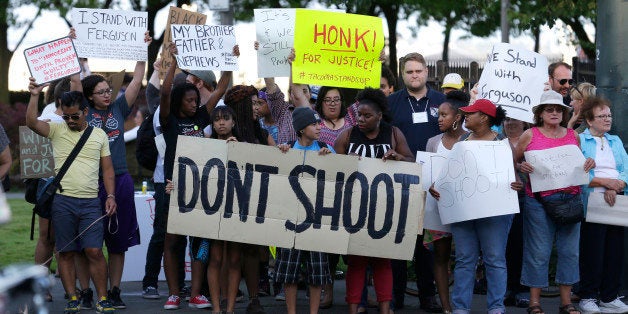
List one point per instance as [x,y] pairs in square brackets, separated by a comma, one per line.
[145,148]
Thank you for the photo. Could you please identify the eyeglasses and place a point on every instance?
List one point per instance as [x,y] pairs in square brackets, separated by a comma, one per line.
[328,101]
[104,91]
[74,117]
[604,116]
[563,81]
[553,109]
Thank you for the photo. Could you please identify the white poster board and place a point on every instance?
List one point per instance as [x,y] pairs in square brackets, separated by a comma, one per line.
[52,60]
[274,30]
[431,164]
[514,78]
[556,168]
[205,47]
[110,34]
[598,211]
[256,194]
[475,182]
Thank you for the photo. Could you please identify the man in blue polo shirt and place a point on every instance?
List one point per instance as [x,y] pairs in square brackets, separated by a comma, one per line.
[415,112]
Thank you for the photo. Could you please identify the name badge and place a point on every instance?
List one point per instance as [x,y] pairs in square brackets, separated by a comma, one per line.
[419,117]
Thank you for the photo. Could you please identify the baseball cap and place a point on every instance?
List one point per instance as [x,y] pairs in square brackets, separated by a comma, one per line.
[206,76]
[453,80]
[482,105]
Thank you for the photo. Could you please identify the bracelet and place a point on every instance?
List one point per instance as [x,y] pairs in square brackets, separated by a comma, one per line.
[111,196]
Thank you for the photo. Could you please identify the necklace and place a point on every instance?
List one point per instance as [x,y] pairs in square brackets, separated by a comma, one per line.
[601,142]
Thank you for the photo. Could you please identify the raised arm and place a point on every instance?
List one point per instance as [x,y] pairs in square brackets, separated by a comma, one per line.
[40,127]
[138,75]
[221,87]
[297,91]
[166,88]
[75,80]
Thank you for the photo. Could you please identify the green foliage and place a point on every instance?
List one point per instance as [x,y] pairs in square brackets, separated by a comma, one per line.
[15,244]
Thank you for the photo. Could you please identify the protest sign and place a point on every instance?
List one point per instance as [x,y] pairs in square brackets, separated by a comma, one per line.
[431,164]
[177,16]
[52,60]
[556,168]
[256,194]
[598,211]
[110,34]
[275,33]
[337,49]
[36,160]
[205,47]
[514,78]
[475,182]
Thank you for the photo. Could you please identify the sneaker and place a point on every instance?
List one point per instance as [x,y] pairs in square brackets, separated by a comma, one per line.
[185,293]
[615,306]
[172,303]
[255,307]
[73,306]
[281,296]
[199,302]
[239,296]
[588,306]
[113,296]
[105,306]
[150,292]
[87,299]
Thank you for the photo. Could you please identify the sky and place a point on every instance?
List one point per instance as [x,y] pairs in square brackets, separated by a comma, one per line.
[428,41]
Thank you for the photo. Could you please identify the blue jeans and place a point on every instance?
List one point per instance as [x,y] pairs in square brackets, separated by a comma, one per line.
[539,232]
[488,235]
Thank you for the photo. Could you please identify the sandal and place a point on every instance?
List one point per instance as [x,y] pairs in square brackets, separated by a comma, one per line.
[568,309]
[535,309]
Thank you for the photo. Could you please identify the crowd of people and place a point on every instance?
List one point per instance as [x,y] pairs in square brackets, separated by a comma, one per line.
[378,123]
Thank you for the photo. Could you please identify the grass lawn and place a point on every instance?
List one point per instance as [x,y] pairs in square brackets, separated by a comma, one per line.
[15,243]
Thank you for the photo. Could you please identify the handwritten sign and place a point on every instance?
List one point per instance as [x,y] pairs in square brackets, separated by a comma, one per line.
[431,164]
[514,78]
[52,60]
[598,211]
[556,168]
[110,34]
[256,194]
[275,33]
[475,182]
[36,160]
[205,47]
[337,49]
[177,16]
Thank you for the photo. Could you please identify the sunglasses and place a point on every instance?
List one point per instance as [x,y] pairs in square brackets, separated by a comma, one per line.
[74,117]
[554,109]
[563,81]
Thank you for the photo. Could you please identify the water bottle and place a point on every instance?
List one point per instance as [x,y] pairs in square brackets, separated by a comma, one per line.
[144,187]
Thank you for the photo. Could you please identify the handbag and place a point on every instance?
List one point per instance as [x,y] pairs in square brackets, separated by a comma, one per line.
[47,188]
[565,211]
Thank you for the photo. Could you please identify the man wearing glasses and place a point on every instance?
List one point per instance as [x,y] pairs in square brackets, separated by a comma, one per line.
[560,79]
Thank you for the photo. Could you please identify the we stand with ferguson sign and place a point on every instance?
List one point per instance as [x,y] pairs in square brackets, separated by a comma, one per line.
[256,194]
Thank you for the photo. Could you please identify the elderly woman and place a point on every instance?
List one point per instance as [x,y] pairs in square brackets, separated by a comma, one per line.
[579,94]
[539,231]
[602,246]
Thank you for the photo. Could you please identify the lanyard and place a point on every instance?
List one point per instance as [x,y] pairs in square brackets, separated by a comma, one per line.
[427,104]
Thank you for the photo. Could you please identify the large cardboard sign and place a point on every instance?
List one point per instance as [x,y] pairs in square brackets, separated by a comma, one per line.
[475,182]
[205,47]
[52,60]
[177,16]
[431,165]
[36,160]
[556,168]
[598,211]
[274,30]
[110,34]
[337,49]
[514,78]
[256,194]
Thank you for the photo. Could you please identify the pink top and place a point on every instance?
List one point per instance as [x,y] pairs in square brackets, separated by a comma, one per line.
[540,142]
[328,136]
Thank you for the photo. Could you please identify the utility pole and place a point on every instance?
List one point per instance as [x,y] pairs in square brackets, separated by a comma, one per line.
[505,26]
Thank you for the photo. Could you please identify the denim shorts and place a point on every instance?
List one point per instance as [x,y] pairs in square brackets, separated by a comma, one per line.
[70,216]
[539,232]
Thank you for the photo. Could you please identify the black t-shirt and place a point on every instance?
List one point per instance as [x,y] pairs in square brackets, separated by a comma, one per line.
[192,126]
[363,146]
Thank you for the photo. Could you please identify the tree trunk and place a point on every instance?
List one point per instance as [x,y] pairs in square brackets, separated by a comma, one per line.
[583,39]
[5,55]
[391,12]
[536,32]
[448,27]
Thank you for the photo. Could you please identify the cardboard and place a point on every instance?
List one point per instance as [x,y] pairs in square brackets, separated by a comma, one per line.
[36,159]
[110,34]
[475,183]
[337,49]
[205,47]
[297,199]
[431,164]
[556,168]
[598,211]
[177,16]
[514,78]
[52,60]
[274,29]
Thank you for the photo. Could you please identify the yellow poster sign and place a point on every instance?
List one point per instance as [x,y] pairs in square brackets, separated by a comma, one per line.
[337,49]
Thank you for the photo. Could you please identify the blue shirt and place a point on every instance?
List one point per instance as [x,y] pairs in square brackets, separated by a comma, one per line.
[111,120]
[402,105]
[314,147]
